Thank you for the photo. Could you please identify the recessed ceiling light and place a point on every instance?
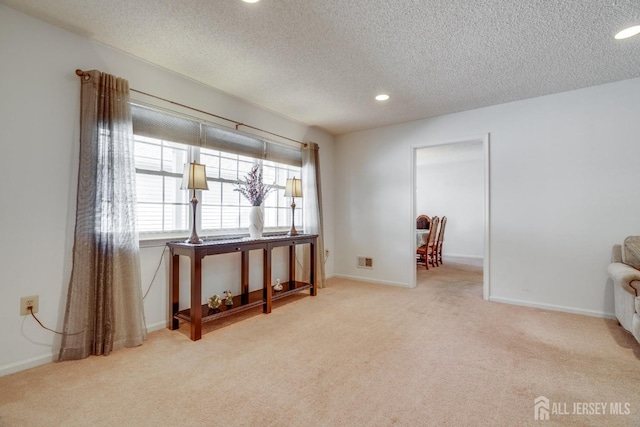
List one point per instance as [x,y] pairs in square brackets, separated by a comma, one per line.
[251,1]
[382,97]
[628,32]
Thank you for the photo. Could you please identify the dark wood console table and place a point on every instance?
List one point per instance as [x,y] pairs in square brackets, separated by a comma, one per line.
[198,312]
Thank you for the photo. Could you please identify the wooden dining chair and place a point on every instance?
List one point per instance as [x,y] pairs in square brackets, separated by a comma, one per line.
[425,254]
[422,222]
[440,240]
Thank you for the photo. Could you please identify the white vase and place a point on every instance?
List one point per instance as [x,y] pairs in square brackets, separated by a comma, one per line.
[256,222]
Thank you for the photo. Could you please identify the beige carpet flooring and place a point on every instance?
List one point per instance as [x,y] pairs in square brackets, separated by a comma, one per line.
[358,354]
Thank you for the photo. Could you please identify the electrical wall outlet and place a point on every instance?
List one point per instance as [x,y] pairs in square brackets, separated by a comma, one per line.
[26,302]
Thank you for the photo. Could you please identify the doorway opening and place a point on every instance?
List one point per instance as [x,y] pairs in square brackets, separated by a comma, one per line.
[452,179]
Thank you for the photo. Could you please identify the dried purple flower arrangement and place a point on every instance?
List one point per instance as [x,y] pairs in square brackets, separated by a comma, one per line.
[253,188]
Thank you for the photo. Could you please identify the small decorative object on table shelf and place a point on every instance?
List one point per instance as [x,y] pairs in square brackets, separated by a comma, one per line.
[278,286]
[229,299]
[255,191]
[214,302]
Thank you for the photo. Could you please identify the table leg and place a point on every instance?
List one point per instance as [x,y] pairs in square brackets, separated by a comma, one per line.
[196,297]
[174,290]
[244,278]
[312,269]
[266,280]
[292,267]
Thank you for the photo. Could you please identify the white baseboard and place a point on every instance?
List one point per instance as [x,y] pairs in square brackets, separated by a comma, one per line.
[377,282]
[476,261]
[23,365]
[32,362]
[157,326]
[553,307]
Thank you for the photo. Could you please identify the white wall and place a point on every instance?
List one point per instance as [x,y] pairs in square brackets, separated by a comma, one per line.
[450,182]
[39,108]
[564,176]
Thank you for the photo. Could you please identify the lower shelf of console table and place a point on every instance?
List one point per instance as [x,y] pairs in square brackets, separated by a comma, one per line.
[254,299]
[199,313]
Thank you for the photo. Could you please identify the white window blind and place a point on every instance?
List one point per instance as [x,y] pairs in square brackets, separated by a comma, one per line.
[161,125]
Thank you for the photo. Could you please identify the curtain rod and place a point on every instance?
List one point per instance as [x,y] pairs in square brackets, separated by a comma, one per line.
[82,73]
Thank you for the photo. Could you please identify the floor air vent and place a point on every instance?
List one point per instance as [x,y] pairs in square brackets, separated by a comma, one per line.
[364,262]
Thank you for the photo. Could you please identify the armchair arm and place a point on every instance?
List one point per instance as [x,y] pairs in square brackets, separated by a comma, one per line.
[616,253]
[628,277]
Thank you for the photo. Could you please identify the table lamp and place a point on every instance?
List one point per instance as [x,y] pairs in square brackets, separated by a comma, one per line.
[293,189]
[194,178]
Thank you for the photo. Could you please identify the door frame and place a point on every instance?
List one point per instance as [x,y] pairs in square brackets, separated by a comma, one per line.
[484,139]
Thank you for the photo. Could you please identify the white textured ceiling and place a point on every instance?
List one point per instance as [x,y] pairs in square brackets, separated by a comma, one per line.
[321,62]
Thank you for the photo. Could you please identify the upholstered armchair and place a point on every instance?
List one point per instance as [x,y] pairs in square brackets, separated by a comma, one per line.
[625,272]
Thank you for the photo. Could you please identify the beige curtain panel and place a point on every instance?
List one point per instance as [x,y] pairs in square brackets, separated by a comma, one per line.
[104,301]
[312,211]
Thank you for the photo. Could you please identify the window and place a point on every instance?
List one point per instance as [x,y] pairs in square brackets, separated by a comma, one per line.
[163,207]
[225,209]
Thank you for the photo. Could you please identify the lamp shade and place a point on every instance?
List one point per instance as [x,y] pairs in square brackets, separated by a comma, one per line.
[293,188]
[194,177]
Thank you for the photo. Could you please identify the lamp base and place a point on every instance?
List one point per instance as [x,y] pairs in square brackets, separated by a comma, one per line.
[293,231]
[194,239]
